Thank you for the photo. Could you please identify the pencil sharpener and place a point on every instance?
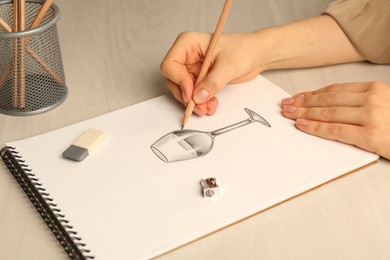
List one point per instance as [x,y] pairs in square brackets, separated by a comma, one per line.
[210,188]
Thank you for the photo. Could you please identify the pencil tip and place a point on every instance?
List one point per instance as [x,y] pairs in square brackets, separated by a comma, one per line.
[182,127]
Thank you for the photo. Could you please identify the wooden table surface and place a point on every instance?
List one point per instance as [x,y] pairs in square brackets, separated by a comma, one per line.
[111,54]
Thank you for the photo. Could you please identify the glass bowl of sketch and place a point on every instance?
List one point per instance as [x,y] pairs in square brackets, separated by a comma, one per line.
[189,144]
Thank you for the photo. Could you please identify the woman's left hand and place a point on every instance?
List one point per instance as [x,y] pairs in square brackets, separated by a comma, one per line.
[352,113]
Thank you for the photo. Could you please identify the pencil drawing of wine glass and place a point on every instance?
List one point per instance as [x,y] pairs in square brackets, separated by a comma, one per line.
[188,144]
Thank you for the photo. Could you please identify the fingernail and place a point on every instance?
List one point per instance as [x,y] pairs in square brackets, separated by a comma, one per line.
[289,109]
[302,122]
[288,101]
[197,111]
[201,96]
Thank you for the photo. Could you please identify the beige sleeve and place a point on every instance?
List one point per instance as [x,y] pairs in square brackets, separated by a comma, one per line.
[367,24]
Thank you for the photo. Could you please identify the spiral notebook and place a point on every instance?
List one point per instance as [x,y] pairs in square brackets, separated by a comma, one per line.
[128,201]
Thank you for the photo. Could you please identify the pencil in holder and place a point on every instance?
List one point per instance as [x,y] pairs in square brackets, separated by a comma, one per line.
[32,78]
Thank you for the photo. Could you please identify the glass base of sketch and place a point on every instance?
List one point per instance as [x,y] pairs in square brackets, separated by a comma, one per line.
[189,144]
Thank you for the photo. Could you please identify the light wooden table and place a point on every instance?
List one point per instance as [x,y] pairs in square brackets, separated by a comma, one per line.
[111,53]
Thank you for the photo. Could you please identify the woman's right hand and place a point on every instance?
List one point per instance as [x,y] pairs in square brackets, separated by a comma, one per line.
[233,61]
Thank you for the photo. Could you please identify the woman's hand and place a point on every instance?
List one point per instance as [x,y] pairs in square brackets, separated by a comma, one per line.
[233,61]
[353,113]
[237,58]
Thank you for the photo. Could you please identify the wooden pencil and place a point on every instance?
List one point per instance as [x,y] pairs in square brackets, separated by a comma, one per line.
[209,54]
[15,26]
[22,15]
[41,14]
[37,21]
[5,25]
[4,75]
[15,73]
[22,54]
[60,80]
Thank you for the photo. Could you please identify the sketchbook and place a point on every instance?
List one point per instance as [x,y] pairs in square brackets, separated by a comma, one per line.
[138,195]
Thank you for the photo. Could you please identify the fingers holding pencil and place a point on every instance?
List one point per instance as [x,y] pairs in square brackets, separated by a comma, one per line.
[208,58]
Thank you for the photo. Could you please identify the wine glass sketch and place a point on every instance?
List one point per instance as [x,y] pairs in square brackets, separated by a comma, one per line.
[188,144]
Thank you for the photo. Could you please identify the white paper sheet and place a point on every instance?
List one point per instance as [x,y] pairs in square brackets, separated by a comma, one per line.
[126,203]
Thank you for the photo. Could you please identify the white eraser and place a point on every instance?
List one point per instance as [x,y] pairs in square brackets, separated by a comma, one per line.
[84,145]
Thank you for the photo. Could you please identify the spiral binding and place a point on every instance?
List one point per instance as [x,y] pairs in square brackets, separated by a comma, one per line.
[44,205]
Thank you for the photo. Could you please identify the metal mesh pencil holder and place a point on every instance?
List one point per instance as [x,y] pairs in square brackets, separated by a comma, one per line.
[32,78]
